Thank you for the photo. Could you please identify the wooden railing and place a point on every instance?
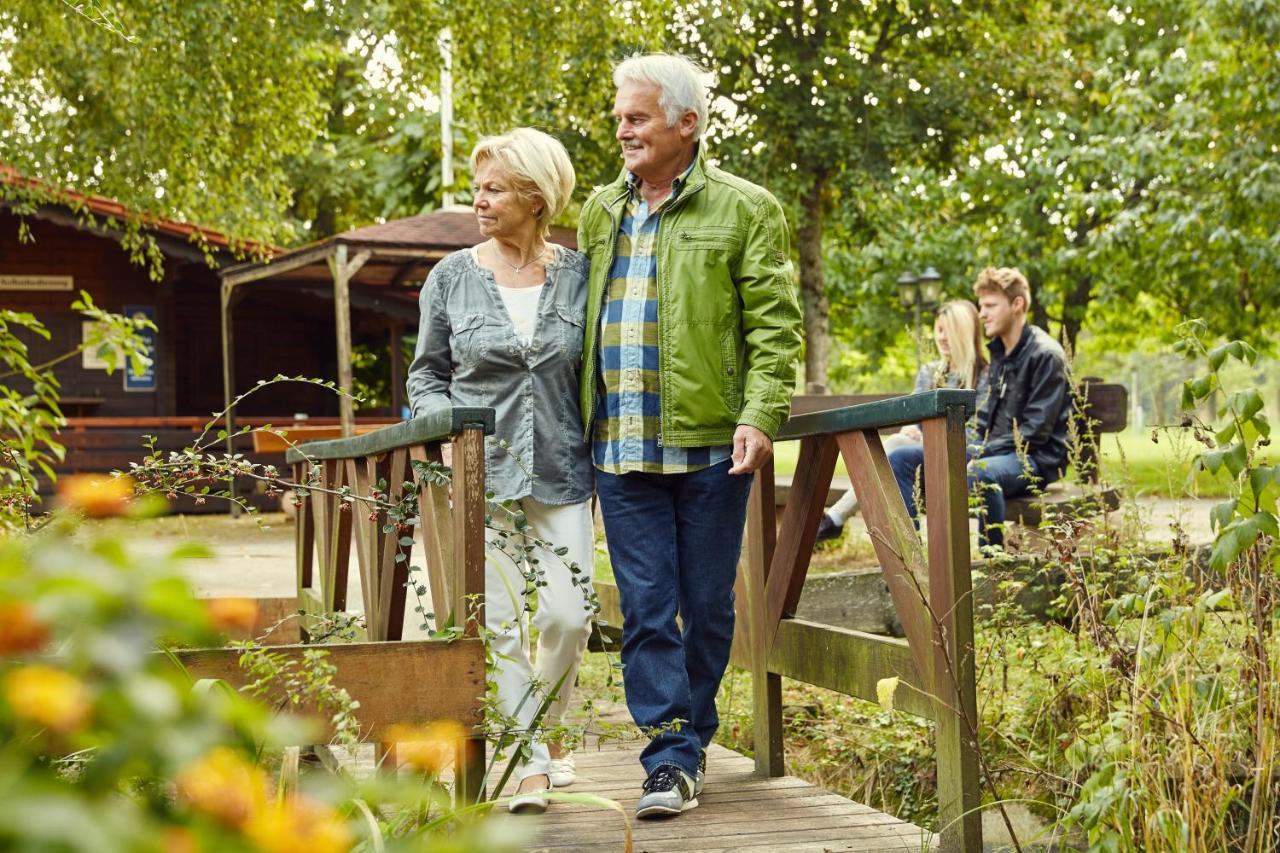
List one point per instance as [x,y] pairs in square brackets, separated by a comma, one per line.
[930,584]
[435,677]
[930,587]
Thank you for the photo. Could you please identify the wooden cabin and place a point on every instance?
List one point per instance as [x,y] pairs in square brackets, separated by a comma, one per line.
[280,318]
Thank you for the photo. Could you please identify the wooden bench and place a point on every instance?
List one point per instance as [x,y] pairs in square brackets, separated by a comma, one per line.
[1102,408]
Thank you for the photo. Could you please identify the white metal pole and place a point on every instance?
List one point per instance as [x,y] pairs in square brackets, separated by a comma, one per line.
[446,116]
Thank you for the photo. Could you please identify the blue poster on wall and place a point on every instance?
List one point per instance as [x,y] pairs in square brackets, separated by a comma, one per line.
[146,380]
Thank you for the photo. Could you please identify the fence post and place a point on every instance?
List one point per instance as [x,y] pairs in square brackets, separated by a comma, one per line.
[951,609]
[468,578]
[766,687]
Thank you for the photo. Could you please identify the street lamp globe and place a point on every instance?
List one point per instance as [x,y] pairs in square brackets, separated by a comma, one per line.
[908,289]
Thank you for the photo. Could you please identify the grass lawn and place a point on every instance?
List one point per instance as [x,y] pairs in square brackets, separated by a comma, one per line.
[1130,459]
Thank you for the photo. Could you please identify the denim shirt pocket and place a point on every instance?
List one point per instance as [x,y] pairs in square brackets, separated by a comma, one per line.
[473,335]
[573,323]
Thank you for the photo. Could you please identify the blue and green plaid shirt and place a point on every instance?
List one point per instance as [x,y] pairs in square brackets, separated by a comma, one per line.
[628,428]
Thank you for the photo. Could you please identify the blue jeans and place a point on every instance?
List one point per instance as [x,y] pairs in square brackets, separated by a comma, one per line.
[995,478]
[674,541]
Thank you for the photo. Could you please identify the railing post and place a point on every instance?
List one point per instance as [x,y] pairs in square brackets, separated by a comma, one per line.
[766,687]
[468,578]
[951,607]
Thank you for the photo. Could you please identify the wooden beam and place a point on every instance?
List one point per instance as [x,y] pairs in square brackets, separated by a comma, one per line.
[342,322]
[951,609]
[433,679]
[849,662]
[893,536]
[253,271]
[790,561]
[895,411]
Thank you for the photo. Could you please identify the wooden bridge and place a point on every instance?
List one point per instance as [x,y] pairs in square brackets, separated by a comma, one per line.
[930,587]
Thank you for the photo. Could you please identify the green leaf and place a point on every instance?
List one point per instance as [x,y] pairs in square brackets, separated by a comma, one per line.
[1236,458]
[1222,513]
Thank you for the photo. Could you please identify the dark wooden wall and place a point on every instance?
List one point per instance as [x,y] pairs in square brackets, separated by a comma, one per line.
[273,333]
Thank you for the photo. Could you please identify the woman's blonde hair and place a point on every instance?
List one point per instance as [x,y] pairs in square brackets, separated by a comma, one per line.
[537,165]
[967,357]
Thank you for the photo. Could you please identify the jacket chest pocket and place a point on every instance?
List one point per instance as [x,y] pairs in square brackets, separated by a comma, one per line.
[473,337]
[712,245]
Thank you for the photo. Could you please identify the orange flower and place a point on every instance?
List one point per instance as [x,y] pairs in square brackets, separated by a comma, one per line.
[96,495]
[48,697]
[430,748]
[223,785]
[298,825]
[232,615]
[20,629]
[179,839]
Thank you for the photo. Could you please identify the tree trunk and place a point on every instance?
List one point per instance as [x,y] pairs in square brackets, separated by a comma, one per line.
[1075,305]
[813,291]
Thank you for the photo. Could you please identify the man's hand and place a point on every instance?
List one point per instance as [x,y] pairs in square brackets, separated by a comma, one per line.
[912,432]
[751,449]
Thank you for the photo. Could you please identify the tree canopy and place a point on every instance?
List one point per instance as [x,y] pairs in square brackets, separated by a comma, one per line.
[1125,158]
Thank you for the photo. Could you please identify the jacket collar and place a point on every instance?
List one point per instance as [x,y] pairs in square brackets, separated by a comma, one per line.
[693,179]
[996,346]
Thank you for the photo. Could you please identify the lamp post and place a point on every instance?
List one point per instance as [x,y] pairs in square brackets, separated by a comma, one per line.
[919,293]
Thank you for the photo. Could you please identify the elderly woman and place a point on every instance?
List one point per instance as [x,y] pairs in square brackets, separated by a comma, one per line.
[501,326]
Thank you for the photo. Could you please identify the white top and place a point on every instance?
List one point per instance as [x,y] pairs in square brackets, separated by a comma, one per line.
[522,307]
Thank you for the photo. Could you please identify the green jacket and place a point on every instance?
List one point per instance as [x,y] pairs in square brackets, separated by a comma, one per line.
[728,320]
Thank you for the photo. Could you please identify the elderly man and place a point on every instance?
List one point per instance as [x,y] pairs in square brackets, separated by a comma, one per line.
[688,365]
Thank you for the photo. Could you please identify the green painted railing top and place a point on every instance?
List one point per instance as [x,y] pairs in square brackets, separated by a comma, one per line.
[897,411]
[433,425]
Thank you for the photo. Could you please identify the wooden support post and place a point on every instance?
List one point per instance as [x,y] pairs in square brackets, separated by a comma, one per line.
[894,538]
[766,686]
[228,381]
[800,519]
[396,335]
[342,272]
[304,531]
[951,607]
[333,525]
[437,536]
[468,578]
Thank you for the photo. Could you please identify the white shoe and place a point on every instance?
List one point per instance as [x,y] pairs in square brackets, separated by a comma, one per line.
[530,802]
[562,772]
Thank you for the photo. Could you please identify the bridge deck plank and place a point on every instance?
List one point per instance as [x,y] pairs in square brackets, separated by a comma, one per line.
[737,811]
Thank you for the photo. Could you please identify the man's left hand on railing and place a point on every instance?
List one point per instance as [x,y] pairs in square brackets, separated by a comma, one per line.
[751,449]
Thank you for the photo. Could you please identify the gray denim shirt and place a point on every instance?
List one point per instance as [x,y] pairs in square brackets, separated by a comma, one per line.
[468,355]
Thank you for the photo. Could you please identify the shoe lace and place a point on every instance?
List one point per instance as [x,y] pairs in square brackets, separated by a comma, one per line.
[664,778]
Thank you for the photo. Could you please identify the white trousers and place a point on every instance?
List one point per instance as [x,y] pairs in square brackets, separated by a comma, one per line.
[563,617]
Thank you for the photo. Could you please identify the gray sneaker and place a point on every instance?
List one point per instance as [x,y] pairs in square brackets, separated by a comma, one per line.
[702,772]
[668,791]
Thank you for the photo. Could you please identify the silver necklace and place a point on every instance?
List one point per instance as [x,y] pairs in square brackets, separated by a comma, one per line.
[517,269]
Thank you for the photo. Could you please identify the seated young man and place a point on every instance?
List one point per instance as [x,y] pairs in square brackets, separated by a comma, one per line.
[1020,435]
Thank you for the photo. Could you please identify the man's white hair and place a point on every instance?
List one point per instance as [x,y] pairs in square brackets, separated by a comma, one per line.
[680,84]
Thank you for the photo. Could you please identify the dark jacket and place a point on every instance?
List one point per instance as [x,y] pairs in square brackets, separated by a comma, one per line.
[1029,391]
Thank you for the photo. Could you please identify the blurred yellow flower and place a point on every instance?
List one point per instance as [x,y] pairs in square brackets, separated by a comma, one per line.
[232,615]
[224,785]
[96,495]
[21,630]
[430,748]
[48,697]
[298,825]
